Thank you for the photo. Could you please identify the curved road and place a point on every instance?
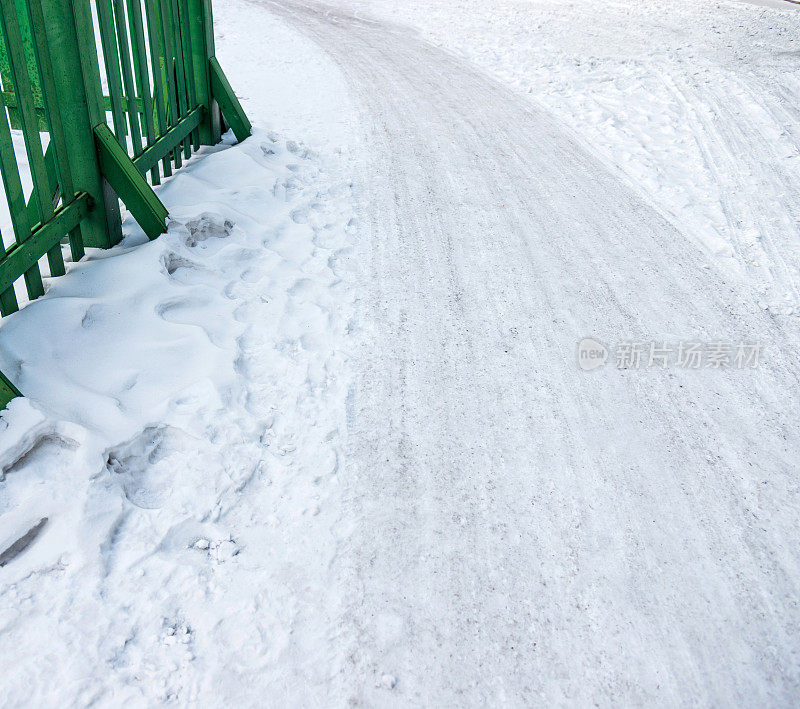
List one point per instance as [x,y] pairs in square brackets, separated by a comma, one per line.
[521,531]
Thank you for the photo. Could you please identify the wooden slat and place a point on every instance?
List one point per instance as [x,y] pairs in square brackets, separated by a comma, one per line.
[142,76]
[202,47]
[188,60]
[166,37]
[180,70]
[52,177]
[129,184]
[127,75]
[23,256]
[157,56]
[231,108]
[30,124]
[124,103]
[58,146]
[108,42]
[71,33]
[174,137]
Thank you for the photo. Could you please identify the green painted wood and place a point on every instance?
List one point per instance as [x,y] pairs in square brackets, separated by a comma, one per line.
[129,184]
[145,103]
[86,46]
[10,24]
[208,30]
[127,75]
[32,206]
[157,62]
[124,101]
[111,62]
[78,94]
[180,69]
[229,105]
[166,143]
[7,78]
[188,62]
[8,301]
[57,162]
[166,38]
[16,203]
[7,391]
[10,99]
[24,255]
[199,16]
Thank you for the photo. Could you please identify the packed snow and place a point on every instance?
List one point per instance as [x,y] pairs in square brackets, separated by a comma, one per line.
[179,444]
[326,441]
[696,103]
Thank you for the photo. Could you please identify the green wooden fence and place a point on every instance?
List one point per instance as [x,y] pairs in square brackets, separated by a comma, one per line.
[126,90]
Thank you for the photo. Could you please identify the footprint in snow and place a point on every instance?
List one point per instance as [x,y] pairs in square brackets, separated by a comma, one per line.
[207,226]
[141,466]
[173,262]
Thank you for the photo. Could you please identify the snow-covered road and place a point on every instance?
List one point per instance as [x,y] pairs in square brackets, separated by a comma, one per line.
[524,531]
[695,101]
[327,442]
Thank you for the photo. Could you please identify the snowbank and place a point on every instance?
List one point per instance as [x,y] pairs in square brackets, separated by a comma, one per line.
[170,484]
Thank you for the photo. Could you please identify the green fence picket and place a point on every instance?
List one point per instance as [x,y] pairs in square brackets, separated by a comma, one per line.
[16,204]
[127,76]
[188,62]
[5,72]
[165,92]
[108,42]
[43,189]
[57,153]
[180,71]
[138,45]
[158,62]
[166,36]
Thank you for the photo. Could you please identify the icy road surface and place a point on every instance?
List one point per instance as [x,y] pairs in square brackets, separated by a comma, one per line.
[526,532]
[326,442]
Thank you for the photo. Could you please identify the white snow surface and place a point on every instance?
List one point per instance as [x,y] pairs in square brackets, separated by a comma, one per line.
[696,102]
[182,435]
[325,442]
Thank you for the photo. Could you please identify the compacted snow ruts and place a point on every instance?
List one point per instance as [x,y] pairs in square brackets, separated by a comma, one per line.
[527,532]
[327,442]
[696,104]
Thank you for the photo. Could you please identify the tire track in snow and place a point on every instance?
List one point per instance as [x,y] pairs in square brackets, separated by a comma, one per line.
[525,533]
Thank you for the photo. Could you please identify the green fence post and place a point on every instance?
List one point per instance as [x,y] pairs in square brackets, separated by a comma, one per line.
[70,37]
[201,31]
[5,71]
[232,110]
[129,184]
[7,391]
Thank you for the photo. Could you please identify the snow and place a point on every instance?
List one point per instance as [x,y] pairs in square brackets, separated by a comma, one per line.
[290,82]
[696,103]
[326,442]
[182,431]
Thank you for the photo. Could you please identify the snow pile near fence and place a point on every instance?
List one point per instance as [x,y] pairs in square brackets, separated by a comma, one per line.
[194,389]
